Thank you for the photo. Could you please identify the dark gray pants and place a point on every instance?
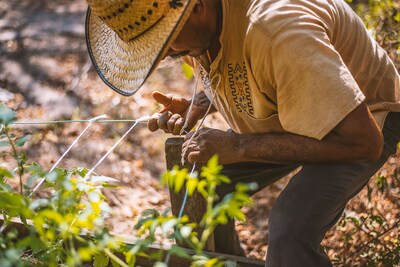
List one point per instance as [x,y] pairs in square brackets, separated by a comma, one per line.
[310,204]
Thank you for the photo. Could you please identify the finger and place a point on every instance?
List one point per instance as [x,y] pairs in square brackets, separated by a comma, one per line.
[188,143]
[178,126]
[188,136]
[152,123]
[163,120]
[163,99]
[196,156]
[188,148]
[171,122]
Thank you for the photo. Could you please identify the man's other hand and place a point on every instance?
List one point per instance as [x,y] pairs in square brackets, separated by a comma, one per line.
[208,142]
[171,118]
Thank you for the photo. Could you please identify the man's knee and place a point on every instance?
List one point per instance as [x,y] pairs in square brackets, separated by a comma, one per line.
[294,240]
[286,233]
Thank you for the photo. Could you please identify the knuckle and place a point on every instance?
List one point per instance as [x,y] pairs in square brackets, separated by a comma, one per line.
[170,124]
[152,125]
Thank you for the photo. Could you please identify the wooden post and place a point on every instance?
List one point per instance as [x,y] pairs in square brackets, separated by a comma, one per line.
[196,205]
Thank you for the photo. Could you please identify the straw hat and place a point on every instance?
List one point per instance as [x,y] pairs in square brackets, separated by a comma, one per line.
[127,38]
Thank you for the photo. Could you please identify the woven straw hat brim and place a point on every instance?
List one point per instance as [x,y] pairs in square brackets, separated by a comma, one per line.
[125,66]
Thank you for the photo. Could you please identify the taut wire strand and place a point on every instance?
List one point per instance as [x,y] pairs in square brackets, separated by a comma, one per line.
[167,258]
[186,193]
[91,121]
[69,121]
[141,119]
[200,125]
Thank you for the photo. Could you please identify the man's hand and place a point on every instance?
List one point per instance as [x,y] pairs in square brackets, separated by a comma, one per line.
[208,142]
[172,117]
[356,138]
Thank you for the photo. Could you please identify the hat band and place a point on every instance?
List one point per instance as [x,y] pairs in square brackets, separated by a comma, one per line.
[148,29]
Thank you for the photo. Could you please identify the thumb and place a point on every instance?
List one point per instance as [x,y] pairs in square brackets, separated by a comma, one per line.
[162,99]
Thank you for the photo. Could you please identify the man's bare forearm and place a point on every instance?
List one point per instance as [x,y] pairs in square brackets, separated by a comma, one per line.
[356,138]
[291,148]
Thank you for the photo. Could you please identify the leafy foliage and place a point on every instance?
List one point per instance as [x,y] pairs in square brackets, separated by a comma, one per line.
[382,18]
[217,213]
[366,236]
[67,227]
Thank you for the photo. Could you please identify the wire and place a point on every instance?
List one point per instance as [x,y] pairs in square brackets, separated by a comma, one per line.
[70,121]
[141,119]
[186,193]
[167,258]
[91,121]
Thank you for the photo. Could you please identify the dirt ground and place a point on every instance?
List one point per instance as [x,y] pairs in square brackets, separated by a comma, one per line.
[45,74]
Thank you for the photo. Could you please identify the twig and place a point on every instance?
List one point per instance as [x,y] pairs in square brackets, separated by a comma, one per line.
[19,162]
[115,258]
[375,238]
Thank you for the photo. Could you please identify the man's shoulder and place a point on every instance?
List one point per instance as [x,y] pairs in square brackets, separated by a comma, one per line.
[271,15]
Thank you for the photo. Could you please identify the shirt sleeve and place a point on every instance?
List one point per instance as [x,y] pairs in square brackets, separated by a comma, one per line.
[315,90]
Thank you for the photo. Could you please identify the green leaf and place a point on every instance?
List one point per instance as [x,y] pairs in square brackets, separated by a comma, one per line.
[214,262]
[168,225]
[165,178]
[114,263]
[191,185]
[180,252]
[381,182]
[100,260]
[32,242]
[81,171]
[103,180]
[397,16]
[21,141]
[5,173]
[5,187]
[179,180]
[187,71]
[236,213]
[160,264]
[6,115]
[51,177]
[13,203]
[377,219]
[224,179]
[4,143]
[147,215]
[354,220]
[39,203]
[212,169]
[140,245]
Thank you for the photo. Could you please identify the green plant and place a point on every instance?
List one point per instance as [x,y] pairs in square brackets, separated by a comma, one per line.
[56,227]
[64,225]
[218,212]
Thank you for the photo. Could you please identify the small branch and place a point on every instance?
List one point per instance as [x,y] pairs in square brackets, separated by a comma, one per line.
[19,162]
[375,238]
[115,258]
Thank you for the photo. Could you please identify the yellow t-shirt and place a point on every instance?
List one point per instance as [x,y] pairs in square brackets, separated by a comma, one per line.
[296,66]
